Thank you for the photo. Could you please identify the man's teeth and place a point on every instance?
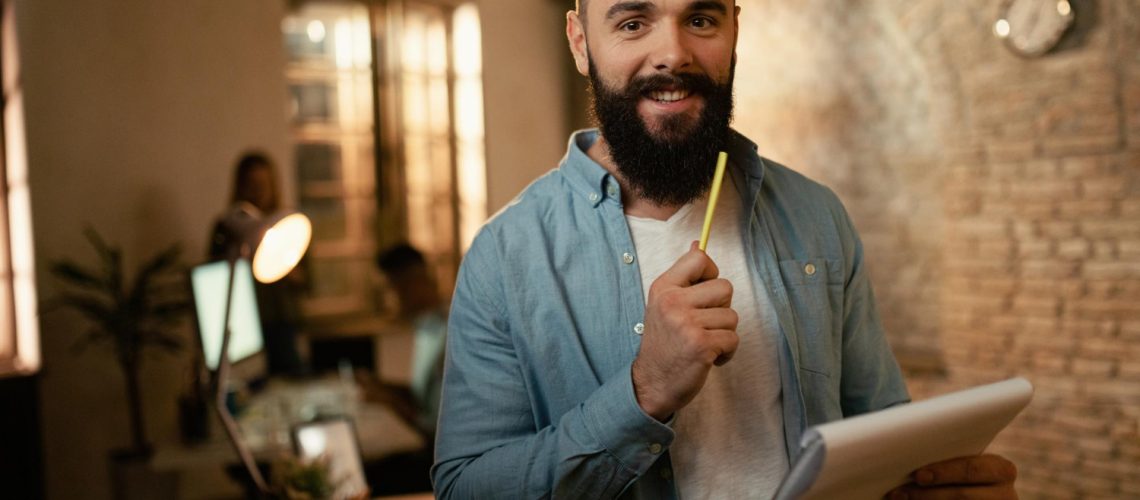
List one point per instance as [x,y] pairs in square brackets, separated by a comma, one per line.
[670,96]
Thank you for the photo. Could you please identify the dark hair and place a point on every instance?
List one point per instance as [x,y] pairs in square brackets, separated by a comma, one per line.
[398,258]
[246,164]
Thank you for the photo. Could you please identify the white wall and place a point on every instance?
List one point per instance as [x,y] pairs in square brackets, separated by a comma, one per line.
[524,53]
[136,110]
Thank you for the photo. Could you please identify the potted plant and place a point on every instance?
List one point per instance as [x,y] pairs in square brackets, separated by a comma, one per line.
[296,479]
[132,316]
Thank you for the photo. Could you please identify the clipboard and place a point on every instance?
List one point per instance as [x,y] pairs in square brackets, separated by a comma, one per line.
[869,455]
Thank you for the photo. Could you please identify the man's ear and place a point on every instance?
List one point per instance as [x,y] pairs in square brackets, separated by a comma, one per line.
[736,26]
[576,35]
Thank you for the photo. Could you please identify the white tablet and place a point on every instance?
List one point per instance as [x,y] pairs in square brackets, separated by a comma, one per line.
[869,455]
[334,440]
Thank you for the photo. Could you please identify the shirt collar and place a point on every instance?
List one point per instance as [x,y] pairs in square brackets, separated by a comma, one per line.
[594,183]
[589,179]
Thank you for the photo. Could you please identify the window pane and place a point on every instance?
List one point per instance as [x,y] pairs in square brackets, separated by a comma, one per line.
[318,162]
[19,325]
[307,42]
[329,72]
[329,218]
[313,102]
[471,163]
[439,106]
[335,278]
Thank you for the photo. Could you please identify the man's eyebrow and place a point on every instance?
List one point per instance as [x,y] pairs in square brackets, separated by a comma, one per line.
[715,5]
[623,7]
[646,6]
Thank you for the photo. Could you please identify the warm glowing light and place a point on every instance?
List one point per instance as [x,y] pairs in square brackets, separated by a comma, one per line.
[19,214]
[362,42]
[414,53]
[316,31]
[1063,8]
[471,168]
[312,440]
[436,47]
[282,248]
[415,106]
[1001,28]
[437,105]
[342,37]
[468,44]
[469,108]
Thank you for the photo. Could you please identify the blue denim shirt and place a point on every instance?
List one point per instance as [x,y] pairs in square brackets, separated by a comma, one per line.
[545,323]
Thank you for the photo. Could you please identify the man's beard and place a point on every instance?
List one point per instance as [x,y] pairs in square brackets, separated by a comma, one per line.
[675,164]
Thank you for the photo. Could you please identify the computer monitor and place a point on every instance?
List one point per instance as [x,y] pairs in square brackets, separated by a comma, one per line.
[208,283]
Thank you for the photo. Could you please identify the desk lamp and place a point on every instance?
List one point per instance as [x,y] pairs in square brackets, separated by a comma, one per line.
[277,251]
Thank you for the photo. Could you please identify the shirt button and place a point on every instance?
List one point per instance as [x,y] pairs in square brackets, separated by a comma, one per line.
[655,448]
[639,328]
[593,196]
[666,473]
[627,258]
[809,269]
[613,192]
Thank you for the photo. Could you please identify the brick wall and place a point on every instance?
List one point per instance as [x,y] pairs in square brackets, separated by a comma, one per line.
[998,198]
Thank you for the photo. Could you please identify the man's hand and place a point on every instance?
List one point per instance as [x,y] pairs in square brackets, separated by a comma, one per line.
[689,327]
[983,476]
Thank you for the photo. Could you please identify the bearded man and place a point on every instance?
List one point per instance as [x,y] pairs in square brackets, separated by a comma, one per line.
[595,352]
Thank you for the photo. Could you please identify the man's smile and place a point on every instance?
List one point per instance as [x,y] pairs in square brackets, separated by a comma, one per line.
[664,103]
[667,96]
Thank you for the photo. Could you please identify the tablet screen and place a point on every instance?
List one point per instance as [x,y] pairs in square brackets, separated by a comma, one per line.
[333,440]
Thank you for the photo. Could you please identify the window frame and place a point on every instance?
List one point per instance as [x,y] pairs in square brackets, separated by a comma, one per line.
[389,180]
[19,329]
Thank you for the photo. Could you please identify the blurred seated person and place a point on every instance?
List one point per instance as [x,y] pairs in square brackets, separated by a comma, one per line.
[420,306]
[255,197]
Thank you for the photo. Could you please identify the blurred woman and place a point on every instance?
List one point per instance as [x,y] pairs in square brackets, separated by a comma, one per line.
[236,233]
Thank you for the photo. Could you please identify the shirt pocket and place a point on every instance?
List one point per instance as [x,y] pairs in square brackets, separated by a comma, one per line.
[815,293]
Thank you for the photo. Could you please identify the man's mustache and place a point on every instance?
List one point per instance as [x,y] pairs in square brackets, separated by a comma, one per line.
[693,82]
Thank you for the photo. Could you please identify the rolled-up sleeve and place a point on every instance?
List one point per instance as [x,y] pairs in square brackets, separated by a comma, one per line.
[871,378]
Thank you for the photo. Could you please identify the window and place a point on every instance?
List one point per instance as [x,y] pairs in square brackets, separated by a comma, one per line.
[387,116]
[330,90]
[19,332]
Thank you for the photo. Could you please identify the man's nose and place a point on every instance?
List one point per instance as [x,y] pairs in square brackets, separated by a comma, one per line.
[671,52]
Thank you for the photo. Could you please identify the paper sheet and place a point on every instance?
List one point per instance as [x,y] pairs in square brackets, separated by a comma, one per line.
[868,455]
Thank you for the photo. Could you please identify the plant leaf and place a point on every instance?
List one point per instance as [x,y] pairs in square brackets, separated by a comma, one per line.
[162,339]
[92,336]
[75,275]
[112,258]
[96,241]
[165,262]
[132,319]
[95,309]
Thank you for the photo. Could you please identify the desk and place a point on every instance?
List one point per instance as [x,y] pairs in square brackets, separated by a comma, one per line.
[267,422]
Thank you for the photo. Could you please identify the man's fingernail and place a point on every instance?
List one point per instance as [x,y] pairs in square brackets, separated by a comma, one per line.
[924,477]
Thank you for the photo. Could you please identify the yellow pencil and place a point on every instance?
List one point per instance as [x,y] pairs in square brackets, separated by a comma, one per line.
[714,193]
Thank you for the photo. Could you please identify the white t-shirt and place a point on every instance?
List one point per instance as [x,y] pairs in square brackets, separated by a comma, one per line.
[730,438]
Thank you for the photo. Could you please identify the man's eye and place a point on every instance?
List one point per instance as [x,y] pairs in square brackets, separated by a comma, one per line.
[701,22]
[631,26]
